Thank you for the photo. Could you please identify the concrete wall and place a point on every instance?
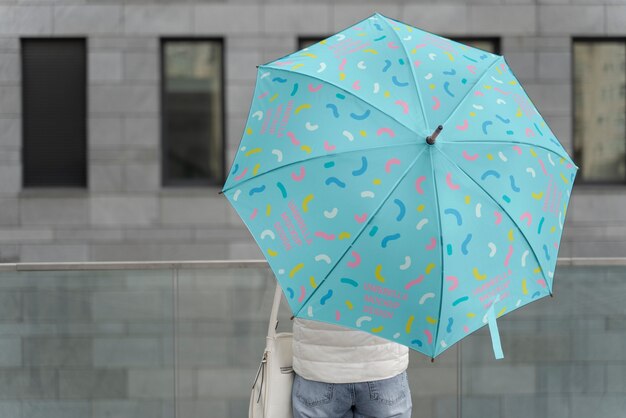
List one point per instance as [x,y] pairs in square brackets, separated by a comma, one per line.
[125,213]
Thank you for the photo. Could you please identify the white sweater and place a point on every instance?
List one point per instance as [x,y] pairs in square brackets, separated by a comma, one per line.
[333,354]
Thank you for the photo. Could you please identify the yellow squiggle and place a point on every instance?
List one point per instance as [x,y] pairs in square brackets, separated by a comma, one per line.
[249,131]
[308,54]
[301,107]
[306,149]
[429,267]
[533,153]
[295,67]
[305,202]
[501,312]
[537,270]
[344,235]
[511,234]
[471,315]
[255,170]
[431,320]
[409,322]
[312,281]
[349,305]
[537,196]
[268,210]
[477,275]
[378,329]
[449,55]
[371,51]
[524,287]
[253,151]
[294,270]
[379,277]
[272,252]
[273,97]
[565,180]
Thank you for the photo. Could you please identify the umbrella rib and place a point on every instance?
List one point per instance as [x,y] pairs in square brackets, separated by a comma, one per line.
[345,91]
[460,102]
[507,214]
[412,142]
[408,61]
[566,157]
[382,203]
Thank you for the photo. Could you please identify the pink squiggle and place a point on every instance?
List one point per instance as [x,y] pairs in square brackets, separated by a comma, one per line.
[465,328]
[499,90]
[464,126]
[517,149]
[293,139]
[429,335]
[472,69]
[556,245]
[417,63]
[243,173]
[569,165]
[451,185]
[390,162]
[455,282]
[298,177]
[329,147]
[283,63]
[543,167]
[322,234]
[360,218]
[469,157]
[405,106]
[302,294]
[356,85]
[433,244]
[418,46]
[337,316]
[508,256]
[437,103]
[529,133]
[478,93]
[263,95]
[254,213]
[388,131]
[357,260]
[542,283]
[314,89]
[414,282]
[418,184]
[391,45]
[343,64]
[498,217]
[528,217]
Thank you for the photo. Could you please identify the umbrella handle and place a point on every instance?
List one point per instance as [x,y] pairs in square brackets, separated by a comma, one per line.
[431,139]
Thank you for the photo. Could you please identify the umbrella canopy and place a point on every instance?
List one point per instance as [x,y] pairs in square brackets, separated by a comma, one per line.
[402,184]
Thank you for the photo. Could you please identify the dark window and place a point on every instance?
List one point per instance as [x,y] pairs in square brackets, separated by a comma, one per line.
[599,71]
[54,78]
[488,44]
[307,41]
[192,112]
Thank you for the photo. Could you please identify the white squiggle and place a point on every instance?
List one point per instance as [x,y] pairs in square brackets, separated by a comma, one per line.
[281,271]
[278,153]
[428,76]
[443,344]
[322,67]
[425,297]
[407,263]
[348,135]
[519,302]
[496,80]
[310,127]
[502,156]
[478,107]
[550,159]
[267,74]
[361,65]
[310,311]
[258,114]
[323,257]
[362,319]
[493,249]
[500,101]
[341,37]
[432,56]
[551,274]
[531,171]
[478,206]
[421,224]
[524,258]
[376,88]
[331,214]
[268,233]
[242,149]
[560,220]
[407,38]
[368,193]
[236,195]
[396,335]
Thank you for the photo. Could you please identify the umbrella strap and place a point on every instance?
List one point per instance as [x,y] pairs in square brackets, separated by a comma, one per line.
[271,328]
[493,330]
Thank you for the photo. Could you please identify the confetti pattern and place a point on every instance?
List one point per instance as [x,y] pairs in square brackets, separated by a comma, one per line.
[366,225]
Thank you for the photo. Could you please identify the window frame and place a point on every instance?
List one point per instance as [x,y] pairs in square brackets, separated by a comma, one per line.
[198,183]
[579,177]
[22,57]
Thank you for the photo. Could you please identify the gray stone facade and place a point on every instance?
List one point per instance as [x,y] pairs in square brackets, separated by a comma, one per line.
[125,213]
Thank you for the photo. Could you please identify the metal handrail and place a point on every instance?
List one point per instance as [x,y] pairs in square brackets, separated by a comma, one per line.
[165,265]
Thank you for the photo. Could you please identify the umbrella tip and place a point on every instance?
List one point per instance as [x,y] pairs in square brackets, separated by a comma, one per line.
[432,360]
[431,138]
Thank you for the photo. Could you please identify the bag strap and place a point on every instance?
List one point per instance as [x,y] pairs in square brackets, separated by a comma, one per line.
[271,329]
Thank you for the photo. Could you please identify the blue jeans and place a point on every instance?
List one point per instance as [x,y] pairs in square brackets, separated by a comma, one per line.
[387,398]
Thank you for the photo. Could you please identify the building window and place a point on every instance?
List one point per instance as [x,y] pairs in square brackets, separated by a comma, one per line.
[307,41]
[486,44]
[54,112]
[599,69]
[192,112]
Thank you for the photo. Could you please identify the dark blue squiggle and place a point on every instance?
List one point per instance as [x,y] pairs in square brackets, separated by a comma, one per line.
[485,124]
[449,327]
[460,300]
[295,89]
[513,185]
[377,26]
[398,82]
[536,294]
[388,238]
[449,249]
[290,291]
[540,225]
[326,297]
[279,80]
[467,240]
[373,231]
[446,87]
[381,38]
[450,72]
[417,343]
[400,204]
[490,173]
[329,164]
[364,116]
[335,180]
[454,212]
[483,57]
[504,120]
[334,109]
[471,59]
[538,130]
[362,169]
[387,65]
[258,189]
[350,282]
[282,189]
[235,169]
[545,250]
